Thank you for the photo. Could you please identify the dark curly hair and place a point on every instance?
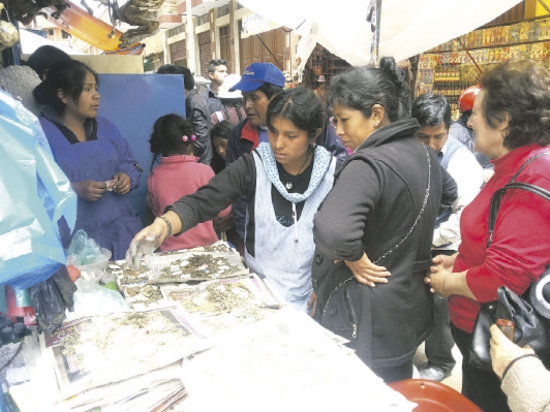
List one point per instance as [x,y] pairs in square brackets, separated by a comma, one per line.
[166,138]
[363,87]
[521,90]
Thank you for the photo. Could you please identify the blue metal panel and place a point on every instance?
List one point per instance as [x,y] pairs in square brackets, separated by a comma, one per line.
[133,102]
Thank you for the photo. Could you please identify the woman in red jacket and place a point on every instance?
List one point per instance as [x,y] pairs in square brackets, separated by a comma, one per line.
[511,123]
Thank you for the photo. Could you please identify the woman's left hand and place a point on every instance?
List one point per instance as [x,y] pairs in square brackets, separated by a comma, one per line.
[367,272]
[122,183]
[437,279]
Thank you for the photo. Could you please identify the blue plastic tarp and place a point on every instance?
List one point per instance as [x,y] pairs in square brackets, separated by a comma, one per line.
[35,194]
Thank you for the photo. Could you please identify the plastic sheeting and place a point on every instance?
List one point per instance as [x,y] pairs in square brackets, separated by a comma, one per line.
[35,195]
[408,27]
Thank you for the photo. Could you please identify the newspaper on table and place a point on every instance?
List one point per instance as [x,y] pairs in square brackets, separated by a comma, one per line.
[217,247]
[190,266]
[284,362]
[100,350]
[141,287]
[156,390]
[225,302]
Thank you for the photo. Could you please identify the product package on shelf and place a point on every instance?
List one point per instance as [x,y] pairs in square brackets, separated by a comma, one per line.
[448,69]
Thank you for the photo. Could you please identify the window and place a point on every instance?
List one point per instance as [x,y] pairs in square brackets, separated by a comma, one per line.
[176,30]
[222,11]
[202,20]
[224,31]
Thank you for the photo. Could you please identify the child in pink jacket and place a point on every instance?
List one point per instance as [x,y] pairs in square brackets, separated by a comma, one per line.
[178,174]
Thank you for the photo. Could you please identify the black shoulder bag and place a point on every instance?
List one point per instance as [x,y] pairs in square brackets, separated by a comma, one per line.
[532,327]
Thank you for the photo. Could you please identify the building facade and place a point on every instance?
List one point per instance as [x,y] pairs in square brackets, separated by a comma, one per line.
[199,31]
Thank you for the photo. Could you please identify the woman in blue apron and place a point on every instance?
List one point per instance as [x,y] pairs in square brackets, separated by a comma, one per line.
[284,182]
[92,153]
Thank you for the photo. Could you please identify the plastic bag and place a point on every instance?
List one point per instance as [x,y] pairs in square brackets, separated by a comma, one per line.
[83,250]
[51,298]
[92,299]
[36,193]
[85,254]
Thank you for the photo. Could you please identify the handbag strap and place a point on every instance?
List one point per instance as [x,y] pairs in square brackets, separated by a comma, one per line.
[420,213]
[404,238]
[512,184]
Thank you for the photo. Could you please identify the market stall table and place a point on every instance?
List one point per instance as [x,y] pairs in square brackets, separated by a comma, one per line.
[199,333]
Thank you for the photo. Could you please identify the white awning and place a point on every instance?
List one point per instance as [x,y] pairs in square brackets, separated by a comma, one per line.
[408,27]
[256,24]
[30,42]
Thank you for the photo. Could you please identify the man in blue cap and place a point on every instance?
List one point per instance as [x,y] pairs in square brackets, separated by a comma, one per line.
[259,83]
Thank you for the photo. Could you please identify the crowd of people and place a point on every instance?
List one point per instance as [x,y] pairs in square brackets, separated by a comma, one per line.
[373,219]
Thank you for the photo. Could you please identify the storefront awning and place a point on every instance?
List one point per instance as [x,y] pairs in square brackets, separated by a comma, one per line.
[408,27]
[256,24]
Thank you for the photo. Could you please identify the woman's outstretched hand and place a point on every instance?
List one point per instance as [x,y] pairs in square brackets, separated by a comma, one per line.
[367,272]
[150,238]
[146,242]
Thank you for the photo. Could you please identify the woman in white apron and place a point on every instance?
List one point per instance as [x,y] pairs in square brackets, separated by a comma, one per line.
[284,182]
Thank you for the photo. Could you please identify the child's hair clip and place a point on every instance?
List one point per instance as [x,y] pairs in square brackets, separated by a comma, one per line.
[185,138]
[193,137]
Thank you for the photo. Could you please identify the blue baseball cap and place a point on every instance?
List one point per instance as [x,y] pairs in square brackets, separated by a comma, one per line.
[257,74]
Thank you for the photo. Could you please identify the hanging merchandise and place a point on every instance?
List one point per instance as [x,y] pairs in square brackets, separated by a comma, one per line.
[37,195]
[457,64]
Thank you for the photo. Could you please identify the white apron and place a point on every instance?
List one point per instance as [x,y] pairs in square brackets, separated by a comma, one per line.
[284,254]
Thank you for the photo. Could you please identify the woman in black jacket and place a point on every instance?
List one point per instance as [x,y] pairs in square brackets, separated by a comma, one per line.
[374,230]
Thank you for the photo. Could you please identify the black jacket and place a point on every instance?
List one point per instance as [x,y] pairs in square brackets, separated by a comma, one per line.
[197,113]
[236,180]
[375,201]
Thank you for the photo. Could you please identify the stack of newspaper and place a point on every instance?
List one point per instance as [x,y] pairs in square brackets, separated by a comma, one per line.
[120,362]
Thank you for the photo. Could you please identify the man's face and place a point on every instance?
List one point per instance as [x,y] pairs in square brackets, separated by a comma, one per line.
[219,75]
[433,136]
[255,106]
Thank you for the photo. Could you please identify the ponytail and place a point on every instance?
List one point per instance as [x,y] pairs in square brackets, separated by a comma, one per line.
[399,77]
[363,87]
[171,134]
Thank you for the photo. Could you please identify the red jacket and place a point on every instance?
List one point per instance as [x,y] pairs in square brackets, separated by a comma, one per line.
[521,242]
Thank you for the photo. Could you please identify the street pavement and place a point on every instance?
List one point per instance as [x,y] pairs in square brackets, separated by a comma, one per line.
[454,380]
